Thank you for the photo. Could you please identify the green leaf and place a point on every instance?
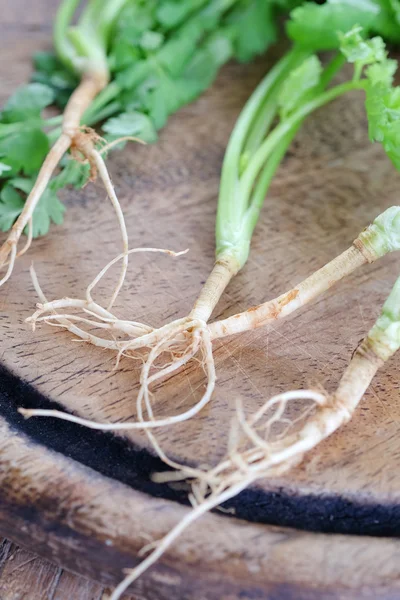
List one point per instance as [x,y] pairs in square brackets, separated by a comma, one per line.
[151,40]
[4,169]
[123,54]
[133,124]
[11,205]
[255,30]
[382,73]
[161,98]
[48,210]
[23,184]
[50,72]
[131,77]
[28,102]
[172,13]
[299,84]
[358,50]
[46,62]
[176,54]
[25,150]
[316,26]
[73,173]
[383,112]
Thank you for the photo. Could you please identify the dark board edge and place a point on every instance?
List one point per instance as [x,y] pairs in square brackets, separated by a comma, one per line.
[122,461]
[93,526]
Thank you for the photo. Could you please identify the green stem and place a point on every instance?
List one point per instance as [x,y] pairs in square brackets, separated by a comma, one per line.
[230,205]
[54,135]
[104,97]
[331,69]
[384,337]
[108,16]
[262,124]
[54,121]
[62,22]
[262,187]
[252,214]
[253,170]
[101,115]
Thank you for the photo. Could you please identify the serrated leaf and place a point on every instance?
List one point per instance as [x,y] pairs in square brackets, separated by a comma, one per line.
[176,54]
[25,150]
[316,26]
[133,124]
[22,183]
[172,13]
[298,85]
[73,173]
[382,73]
[48,210]
[356,49]
[383,112]
[12,202]
[11,205]
[255,29]
[123,55]
[28,102]
[46,62]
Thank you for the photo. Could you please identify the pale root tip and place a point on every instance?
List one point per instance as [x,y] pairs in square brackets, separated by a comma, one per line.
[25,412]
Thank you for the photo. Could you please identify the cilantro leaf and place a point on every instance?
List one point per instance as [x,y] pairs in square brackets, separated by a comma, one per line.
[50,71]
[27,102]
[382,73]
[383,112]
[151,40]
[73,173]
[11,205]
[172,13]
[358,50]
[48,210]
[316,26]
[388,20]
[25,150]
[176,54]
[4,169]
[255,29]
[132,123]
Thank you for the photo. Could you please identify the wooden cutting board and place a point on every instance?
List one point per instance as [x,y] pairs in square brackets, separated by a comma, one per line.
[84,499]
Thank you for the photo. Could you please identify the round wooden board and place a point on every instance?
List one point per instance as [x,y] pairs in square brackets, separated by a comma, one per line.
[85,499]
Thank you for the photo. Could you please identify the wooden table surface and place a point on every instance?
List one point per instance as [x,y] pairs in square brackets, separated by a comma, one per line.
[24,576]
[84,510]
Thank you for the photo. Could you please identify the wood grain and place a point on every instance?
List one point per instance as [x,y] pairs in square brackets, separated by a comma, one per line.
[332,184]
[24,576]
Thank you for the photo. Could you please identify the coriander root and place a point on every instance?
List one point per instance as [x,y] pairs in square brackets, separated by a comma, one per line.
[80,100]
[253,451]
[187,337]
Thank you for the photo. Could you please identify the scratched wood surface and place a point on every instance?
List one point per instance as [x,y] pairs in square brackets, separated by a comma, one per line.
[25,576]
[331,185]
